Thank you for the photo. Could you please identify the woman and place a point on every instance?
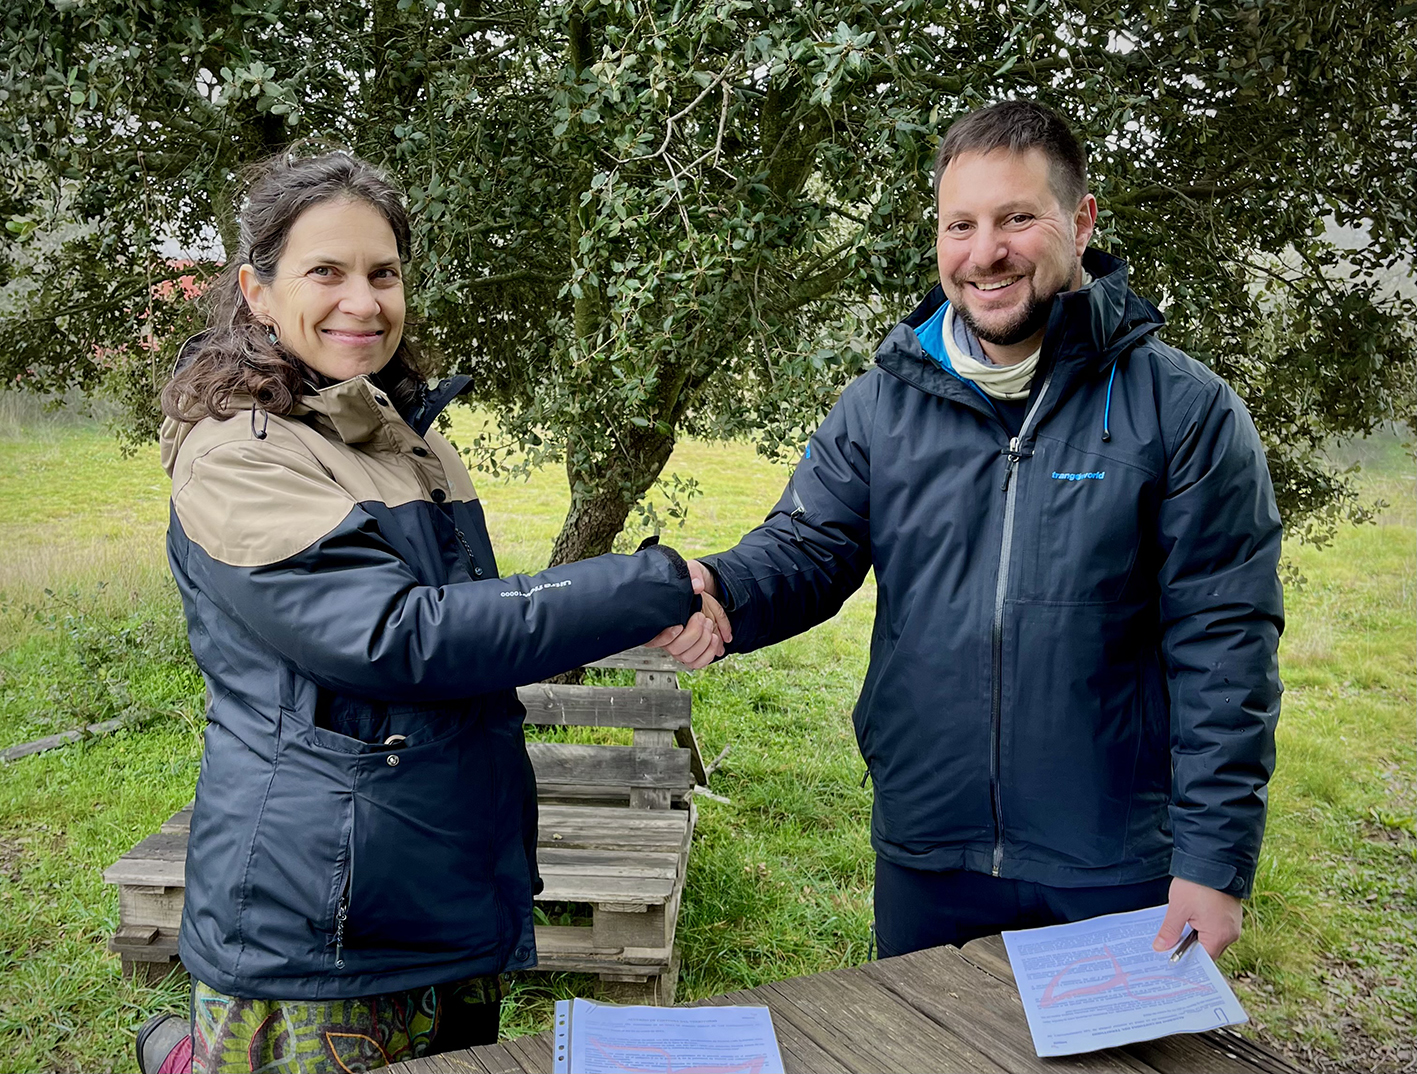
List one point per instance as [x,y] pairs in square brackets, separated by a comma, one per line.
[363,850]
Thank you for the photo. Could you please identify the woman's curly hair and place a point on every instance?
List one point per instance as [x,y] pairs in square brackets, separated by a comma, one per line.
[236,356]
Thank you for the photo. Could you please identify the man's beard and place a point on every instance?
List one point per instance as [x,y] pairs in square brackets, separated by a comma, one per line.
[1030,320]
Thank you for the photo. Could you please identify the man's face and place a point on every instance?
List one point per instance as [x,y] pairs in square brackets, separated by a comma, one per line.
[1006,246]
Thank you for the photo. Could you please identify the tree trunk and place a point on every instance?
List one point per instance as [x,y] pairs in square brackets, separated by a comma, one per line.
[591,527]
[596,519]
[615,485]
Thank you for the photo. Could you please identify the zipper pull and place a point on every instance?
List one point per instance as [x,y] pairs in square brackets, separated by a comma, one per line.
[1009,466]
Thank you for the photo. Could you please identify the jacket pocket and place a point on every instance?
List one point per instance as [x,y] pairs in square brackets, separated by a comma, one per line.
[1087,512]
[299,861]
[422,875]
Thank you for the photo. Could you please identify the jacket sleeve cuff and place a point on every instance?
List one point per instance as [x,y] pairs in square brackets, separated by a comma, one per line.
[677,566]
[736,599]
[1212,874]
[726,595]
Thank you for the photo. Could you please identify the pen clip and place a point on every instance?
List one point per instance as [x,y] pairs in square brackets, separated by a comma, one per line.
[1187,942]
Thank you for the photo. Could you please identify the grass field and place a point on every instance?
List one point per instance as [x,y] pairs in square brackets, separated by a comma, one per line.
[780,875]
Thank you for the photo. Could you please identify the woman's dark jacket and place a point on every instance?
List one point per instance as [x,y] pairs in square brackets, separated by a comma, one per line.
[1073,675]
[340,590]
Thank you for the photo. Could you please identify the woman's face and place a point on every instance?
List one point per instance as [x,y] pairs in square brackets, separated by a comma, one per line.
[336,301]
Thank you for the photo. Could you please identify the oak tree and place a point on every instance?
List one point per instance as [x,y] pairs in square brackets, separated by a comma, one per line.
[639,219]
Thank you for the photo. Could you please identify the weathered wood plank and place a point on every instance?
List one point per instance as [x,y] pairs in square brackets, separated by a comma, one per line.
[488,1059]
[643,798]
[661,831]
[160,907]
[135,935]
[614,766]
[463,1062]
[181,821]
[990,955]
[581,887]
[605,706]
[563,944]
[598,839]
[497,1060]
[1219,1051]
[609,817]
[163,947]
[603,795]
[640,659]
[977,1007]
[554,962]
[652,926]
[533,1052]
[868,1028]
[658,864]
[685,738]
[147,872]
[161,846]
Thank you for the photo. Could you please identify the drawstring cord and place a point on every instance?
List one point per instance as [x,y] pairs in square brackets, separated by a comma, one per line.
[259,434]
[1107,411]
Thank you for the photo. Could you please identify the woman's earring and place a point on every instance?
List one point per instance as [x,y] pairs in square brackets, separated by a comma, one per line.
[271,335]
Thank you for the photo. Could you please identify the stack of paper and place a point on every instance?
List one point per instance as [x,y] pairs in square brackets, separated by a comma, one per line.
[1098,984]
[599,1038]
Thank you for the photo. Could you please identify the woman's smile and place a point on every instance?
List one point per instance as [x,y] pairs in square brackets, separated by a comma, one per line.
[352,337]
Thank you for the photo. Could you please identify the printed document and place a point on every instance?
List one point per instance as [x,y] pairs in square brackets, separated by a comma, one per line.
[601,1038]
[1098,984]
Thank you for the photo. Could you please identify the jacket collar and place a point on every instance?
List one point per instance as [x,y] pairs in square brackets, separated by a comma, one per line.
[1088,329]
[356,409]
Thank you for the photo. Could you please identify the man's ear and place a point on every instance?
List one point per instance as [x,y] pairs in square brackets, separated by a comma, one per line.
[254,291]
[1085,221]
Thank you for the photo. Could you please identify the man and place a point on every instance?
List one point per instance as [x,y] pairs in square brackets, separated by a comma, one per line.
[1073,687]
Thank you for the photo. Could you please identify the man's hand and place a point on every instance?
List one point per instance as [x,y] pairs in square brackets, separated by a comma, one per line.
[1213,914]
[703,580]
[700,641]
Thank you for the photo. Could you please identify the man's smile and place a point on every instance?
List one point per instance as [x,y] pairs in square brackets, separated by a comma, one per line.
[995,285]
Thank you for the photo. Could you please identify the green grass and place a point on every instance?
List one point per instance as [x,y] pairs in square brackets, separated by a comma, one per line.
[780,876]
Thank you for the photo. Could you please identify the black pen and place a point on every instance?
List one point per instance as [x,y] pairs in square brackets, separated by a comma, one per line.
[1185,945]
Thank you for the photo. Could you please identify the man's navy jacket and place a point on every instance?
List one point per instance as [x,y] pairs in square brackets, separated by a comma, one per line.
[1073,675]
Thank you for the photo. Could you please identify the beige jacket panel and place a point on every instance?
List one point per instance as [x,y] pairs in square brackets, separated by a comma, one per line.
[249,499]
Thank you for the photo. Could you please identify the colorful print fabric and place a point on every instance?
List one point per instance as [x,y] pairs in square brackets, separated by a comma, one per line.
[261,1036]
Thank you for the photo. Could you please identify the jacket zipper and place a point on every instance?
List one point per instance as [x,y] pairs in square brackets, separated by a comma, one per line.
[341,913]
[1001,589]
[342,909]
[467,549]
[499,911]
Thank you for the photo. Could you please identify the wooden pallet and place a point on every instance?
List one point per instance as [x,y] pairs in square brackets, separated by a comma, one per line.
[616,826]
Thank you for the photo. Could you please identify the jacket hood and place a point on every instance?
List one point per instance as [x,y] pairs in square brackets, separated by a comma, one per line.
[1088,329]
[352,410]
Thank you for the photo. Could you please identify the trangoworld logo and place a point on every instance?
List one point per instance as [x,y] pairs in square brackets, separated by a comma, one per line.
[1096,475]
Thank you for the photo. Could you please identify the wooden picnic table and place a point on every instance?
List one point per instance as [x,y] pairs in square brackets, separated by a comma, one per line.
[945,1009]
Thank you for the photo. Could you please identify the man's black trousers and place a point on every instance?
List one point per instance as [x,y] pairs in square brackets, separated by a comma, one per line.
[917,909]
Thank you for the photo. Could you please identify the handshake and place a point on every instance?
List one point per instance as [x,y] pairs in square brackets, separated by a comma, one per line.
[700,641]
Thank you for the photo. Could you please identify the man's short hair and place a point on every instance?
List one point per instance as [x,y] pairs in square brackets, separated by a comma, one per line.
[1019,126]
